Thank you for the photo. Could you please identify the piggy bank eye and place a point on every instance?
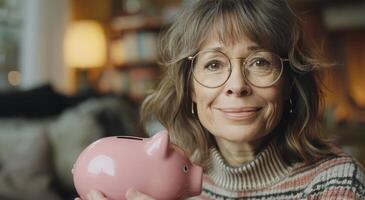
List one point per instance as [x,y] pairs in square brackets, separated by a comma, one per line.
[185,169]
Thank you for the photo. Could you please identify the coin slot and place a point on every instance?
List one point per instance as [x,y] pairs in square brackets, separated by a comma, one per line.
[129,137]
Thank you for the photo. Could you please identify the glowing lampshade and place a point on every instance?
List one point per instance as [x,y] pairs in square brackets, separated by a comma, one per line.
[85,45]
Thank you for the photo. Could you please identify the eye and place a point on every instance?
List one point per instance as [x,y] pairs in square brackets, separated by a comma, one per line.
[213,66]
[185,169]
[261,62]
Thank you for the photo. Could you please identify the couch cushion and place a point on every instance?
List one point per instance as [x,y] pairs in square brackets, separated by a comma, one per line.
[71,133]
[25,171]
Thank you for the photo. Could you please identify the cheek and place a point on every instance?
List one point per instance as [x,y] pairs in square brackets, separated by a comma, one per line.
[204,99]
[273,114]
[274,108]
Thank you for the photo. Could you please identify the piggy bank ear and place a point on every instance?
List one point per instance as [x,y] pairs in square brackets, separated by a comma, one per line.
[158,145]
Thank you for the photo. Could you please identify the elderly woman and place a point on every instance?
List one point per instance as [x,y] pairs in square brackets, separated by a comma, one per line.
[240,94]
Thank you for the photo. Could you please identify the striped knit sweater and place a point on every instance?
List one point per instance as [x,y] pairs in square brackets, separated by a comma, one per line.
[268,177]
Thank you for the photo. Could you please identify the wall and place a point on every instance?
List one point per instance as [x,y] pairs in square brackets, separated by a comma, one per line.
[41,57]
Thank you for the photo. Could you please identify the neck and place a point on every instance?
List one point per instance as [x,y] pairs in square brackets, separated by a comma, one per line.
[236,154]
[266,169]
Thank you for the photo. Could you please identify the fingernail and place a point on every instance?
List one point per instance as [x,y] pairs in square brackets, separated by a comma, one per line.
[131,193]
[97,194]
[93,193]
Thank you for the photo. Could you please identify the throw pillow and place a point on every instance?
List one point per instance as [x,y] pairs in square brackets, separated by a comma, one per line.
[25,171]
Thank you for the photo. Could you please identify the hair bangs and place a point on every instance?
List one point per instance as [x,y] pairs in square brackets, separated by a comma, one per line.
[229,24]
[229,27]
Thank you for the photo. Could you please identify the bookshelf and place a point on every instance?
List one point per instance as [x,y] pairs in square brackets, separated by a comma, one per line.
[133,53]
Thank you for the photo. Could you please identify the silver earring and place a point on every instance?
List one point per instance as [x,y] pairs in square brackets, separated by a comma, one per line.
[291,106]
[192,108]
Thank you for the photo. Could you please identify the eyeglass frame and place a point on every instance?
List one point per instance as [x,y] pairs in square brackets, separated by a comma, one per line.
[191,58]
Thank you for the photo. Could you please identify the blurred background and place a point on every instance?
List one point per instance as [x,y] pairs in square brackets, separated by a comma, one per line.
[72,71]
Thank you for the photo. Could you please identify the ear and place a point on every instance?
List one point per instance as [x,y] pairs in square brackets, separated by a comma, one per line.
[158,145]
[288,87]
[193,96]
[191,86]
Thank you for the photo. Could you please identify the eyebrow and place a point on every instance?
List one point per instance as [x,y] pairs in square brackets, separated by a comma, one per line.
[254,48]
[249,48]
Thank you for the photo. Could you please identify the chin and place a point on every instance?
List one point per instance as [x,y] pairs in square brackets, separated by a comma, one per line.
[239,134]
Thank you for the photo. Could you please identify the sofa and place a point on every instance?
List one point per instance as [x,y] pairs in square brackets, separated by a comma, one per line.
[42,132]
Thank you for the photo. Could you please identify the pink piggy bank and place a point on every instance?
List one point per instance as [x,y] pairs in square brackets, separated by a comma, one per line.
[153,166]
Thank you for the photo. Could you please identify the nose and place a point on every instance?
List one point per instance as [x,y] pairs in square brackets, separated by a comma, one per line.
[237,84]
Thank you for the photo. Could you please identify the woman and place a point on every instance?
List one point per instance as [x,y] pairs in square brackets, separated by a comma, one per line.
[241,96]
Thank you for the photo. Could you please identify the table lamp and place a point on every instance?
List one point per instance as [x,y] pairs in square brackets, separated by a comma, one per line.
[85,48]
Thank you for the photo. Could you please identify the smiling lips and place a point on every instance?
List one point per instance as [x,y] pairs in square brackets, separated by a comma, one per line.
[243,113]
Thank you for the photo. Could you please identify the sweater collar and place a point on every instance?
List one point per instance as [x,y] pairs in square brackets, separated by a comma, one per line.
[266,169]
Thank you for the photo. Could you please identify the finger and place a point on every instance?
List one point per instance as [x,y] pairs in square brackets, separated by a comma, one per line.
[133,194]
[96,195]
[89,197]
[77,198]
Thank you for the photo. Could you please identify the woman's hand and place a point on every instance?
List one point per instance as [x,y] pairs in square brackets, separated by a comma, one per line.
[131,194]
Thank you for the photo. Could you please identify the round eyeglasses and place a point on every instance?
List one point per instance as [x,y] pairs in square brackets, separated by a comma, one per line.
[212,68]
